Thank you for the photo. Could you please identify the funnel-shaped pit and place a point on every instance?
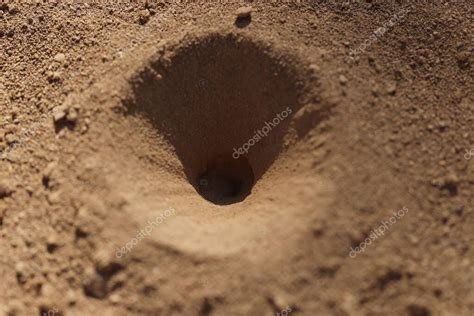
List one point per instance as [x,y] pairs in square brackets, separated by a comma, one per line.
[224,103]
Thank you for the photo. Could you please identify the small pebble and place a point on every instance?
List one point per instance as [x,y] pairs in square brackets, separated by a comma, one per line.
[343,80]
[144,16]
[244,12]
[53,76]
[59,113]
[392,88]
[464,59]
[71,297]
[12,9]
[21,272]
[72,115]
[11,139]
[52,243]
[95,286]
[54,197]
[5,189]
[60,57]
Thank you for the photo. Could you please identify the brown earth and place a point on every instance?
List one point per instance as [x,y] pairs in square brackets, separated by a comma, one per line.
[123,190]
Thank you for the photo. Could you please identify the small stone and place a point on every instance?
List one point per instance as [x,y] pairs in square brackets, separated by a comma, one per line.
[144,16]
[21,272]
[464,60]
[244,12]
[11,139]
[72,115]
[54,197]
[47,290]
[95,286]
[115,298]
[13,9]
[105,262]
[48,173]
[392,88]
[52,243]
[71,297]
[60,57]
[343,80]
[54,76]
[442,125]
[449,183]
[5,189]
[375,91]
[314,68]
[59,113]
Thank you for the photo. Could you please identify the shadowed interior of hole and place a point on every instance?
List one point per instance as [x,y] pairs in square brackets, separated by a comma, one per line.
[215,95]
[226,180]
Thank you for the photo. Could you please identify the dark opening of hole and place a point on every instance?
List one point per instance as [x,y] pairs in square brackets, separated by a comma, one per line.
[226,180]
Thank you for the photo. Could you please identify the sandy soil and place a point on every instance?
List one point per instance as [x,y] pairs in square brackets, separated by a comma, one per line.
[246,158]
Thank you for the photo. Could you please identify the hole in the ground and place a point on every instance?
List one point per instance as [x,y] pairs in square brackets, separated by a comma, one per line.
[226,180]
[225,104]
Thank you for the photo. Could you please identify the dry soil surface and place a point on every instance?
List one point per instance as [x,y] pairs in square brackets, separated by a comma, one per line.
[237,158]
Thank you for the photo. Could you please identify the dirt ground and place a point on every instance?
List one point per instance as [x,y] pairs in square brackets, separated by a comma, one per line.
[237,158]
